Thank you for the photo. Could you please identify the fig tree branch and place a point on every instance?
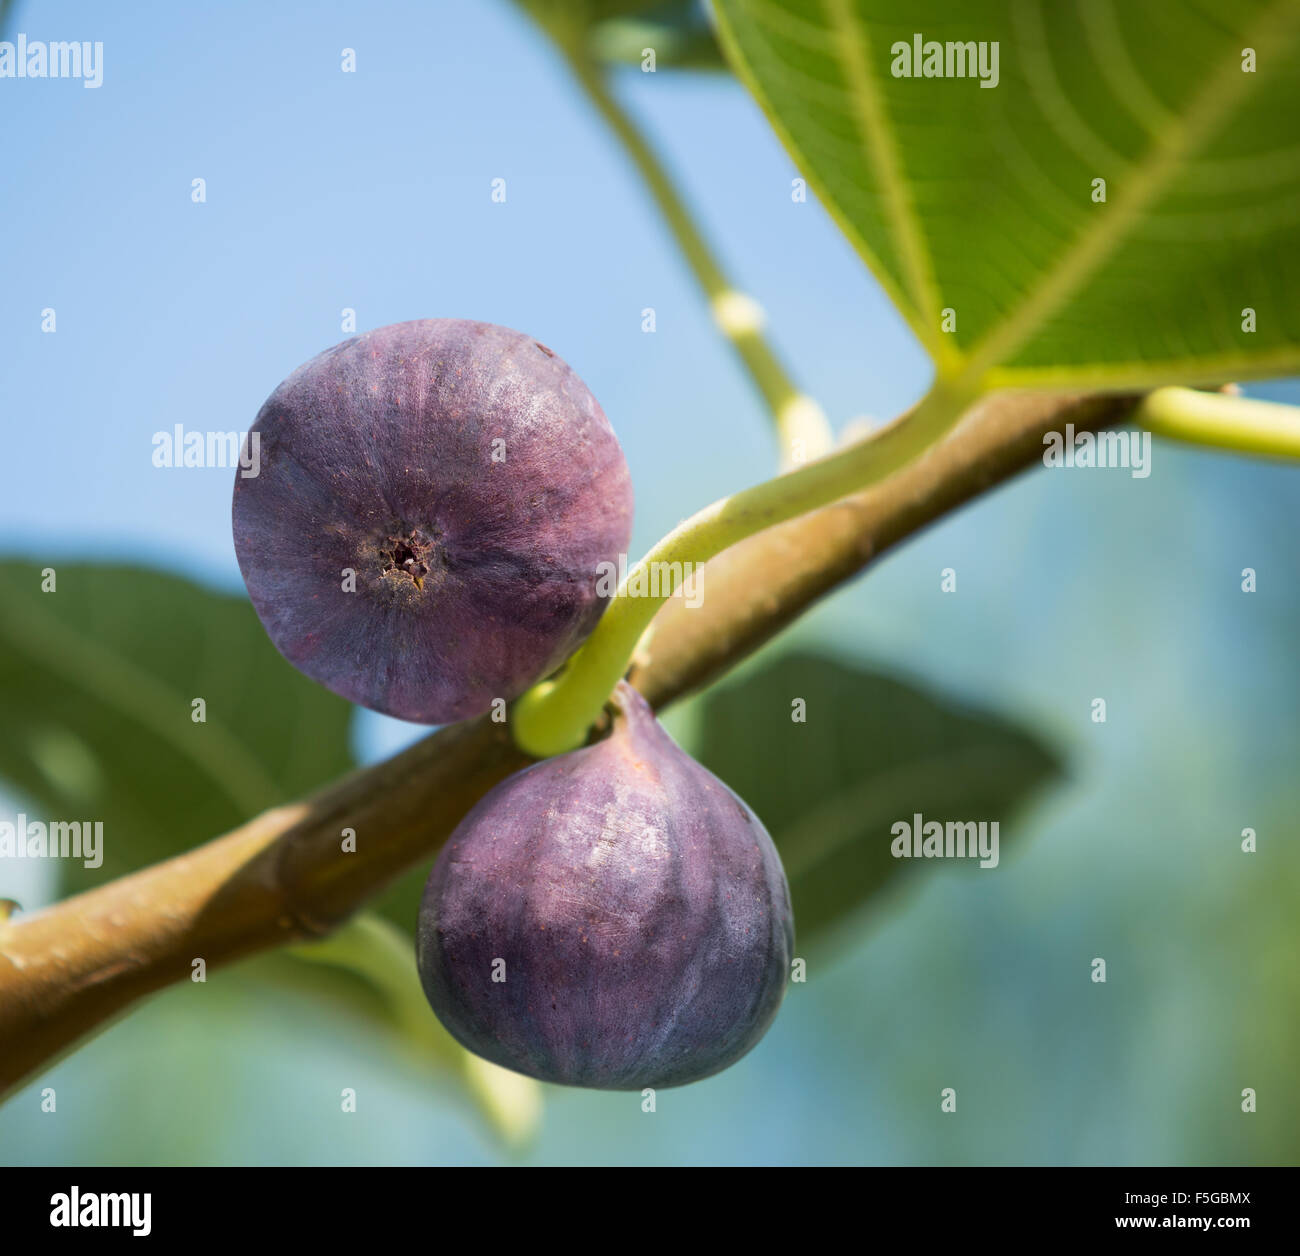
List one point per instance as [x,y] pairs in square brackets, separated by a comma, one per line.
[68,970]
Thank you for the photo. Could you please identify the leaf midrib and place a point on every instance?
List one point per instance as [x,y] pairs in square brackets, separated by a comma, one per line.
[838,822]
[136,694]
[871,120]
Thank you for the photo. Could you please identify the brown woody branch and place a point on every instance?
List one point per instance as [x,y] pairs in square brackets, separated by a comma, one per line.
[69,969]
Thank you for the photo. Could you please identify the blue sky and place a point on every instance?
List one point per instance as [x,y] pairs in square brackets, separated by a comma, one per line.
[371,191]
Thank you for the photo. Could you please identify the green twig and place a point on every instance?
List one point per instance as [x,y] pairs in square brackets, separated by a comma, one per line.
[554,717]
[801,425]
[1223,421]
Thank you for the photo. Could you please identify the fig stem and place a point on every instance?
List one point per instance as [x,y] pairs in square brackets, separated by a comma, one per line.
[555,716]
[1223,421]
[801,425]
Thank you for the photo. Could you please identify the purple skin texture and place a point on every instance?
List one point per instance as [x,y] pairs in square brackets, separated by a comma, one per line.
[639,907]
[474,576]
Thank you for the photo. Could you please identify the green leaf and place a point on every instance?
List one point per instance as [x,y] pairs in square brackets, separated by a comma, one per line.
[980,200]
[570,20]
[679,33]
[872,751]
[98,680]
[376,952]
[400,903]
[617,31]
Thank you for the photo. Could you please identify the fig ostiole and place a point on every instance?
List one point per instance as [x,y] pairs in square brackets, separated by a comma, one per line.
[614,917]
[434,506]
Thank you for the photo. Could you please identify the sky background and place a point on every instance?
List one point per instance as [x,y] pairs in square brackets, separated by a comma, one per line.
[371,191]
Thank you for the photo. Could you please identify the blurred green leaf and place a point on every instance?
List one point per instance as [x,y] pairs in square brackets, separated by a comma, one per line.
[981,200]
[570,20]
[679,33]
[98,679]
[381,955]
[618,31]
[873,750]
[400,903]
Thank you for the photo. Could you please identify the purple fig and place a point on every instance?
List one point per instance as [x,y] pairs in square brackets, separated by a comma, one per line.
[433,504]
[615,917]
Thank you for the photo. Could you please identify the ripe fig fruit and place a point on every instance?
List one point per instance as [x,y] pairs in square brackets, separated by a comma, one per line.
[615,917]
[431,508]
